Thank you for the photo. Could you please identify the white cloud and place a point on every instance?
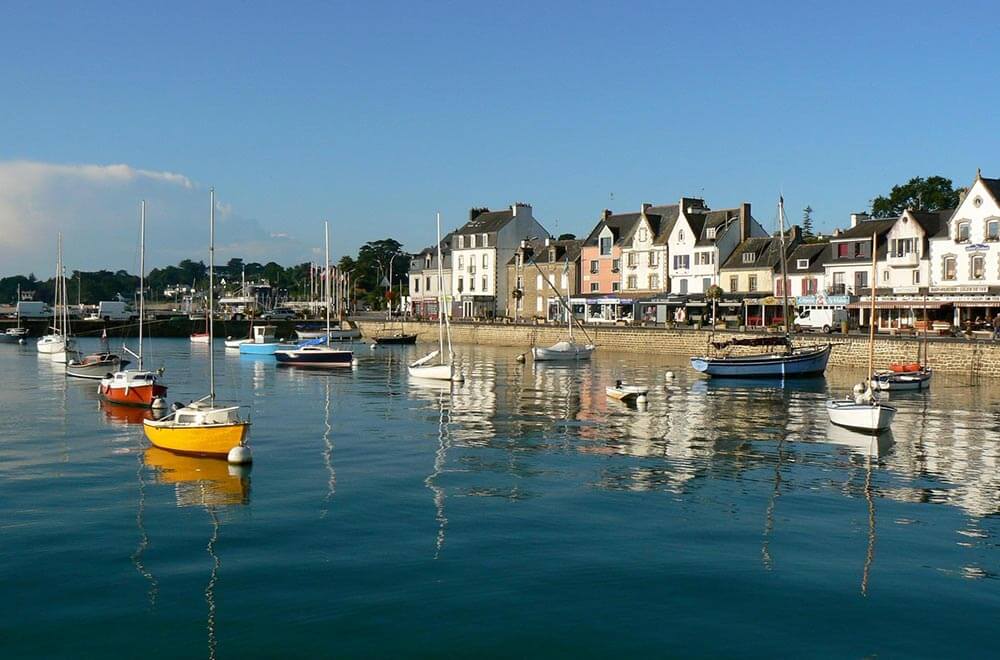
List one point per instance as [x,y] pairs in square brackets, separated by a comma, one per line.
[96,209]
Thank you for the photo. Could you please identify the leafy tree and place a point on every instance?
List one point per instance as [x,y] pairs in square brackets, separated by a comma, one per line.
[567,237]
[807,221]
[934,193]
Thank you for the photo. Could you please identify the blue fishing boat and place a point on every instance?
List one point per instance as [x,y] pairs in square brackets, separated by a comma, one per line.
[790,363]
[263,342]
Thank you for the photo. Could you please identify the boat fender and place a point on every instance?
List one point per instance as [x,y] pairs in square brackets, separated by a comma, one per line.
[669,375]
[239,455]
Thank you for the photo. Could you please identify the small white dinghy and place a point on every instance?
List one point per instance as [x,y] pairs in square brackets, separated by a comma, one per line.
[236,343]
[563,350]
[863,413]
[425,368]
[623,392]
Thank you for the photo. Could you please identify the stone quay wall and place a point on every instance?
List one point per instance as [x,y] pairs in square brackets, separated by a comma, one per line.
[970,358]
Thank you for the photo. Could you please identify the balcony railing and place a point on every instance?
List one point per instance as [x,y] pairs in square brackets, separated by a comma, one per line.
[908,260]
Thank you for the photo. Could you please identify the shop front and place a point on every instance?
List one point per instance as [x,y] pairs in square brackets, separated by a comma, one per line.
[605,309]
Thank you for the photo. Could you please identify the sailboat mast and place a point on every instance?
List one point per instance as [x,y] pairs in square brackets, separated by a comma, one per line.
[784,273]
[440,288]
[326,277]
[55,301]
[871,320]
[926,356]
[211,299]
[142,273]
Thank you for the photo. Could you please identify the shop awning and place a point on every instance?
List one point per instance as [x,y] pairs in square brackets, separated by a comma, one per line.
[976,303]
[901,304]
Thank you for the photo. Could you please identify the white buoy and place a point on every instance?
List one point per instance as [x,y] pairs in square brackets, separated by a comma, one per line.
[669,375]
[641,400]
[373,346]
[521,358]
[21,341]
[458,378]
[239,455]
[354,362]
[159,403]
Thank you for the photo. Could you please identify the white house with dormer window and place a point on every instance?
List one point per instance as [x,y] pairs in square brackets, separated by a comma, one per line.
[701,240]
[965,254]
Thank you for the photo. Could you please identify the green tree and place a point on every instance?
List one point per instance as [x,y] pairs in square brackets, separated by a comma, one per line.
[807,222]
[935,193]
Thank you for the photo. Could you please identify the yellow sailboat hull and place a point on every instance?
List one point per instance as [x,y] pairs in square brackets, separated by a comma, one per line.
[208,440]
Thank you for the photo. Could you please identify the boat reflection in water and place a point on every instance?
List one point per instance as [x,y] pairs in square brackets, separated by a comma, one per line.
[198,482]
[864,444]
[128,415]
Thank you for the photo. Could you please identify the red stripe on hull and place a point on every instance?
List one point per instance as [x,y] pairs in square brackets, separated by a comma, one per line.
[142,395]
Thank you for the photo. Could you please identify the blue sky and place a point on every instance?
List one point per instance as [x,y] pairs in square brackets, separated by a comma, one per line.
[375,115]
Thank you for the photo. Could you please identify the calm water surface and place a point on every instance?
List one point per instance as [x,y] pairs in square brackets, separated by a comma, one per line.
[521,513]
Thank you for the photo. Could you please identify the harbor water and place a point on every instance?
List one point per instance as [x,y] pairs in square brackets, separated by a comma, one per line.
[520,513]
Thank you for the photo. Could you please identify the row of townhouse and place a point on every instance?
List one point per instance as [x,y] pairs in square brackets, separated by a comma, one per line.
[647,263]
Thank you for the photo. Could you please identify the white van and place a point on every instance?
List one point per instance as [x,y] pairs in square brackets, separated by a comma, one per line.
[826,319]
[108,310]
[33,309]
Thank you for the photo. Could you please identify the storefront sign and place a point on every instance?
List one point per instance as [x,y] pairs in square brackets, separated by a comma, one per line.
[977,247]
[822,300]
[960,289]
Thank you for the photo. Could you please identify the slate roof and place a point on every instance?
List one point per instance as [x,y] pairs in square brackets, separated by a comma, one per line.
[816,253]
[564,249]
[618,223]
[486,222]
[766,250]
[668,215]
[865,229]
[701,222]
[934,223]
[993,185]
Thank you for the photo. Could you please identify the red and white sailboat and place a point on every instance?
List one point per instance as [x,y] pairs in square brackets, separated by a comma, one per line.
[136,387]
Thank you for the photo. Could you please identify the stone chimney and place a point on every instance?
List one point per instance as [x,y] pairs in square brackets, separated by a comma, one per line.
[692,205]
[795,235]
[605,214]
[962,192]
[521,207]
[476,212]
[744,221]
[645,205]
[548,241]
[858,218]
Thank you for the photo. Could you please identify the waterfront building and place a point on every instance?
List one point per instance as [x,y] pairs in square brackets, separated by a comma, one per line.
[423,279]
[644,250]
[805,273]
[848,263]
[701,240]
[600,269]
[558,262]
[749,273]
[480,251]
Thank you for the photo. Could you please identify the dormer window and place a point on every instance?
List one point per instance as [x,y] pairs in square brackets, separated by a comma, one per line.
[484,240]
[749,257]
[461,242]
[710,233]
[802,264]
[962,232]
[472,240]
[605,246]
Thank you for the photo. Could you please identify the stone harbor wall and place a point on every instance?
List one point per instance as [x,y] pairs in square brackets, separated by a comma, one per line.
[973,358]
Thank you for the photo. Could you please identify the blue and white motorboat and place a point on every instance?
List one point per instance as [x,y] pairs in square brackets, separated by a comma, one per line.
[790,363]
[263,342]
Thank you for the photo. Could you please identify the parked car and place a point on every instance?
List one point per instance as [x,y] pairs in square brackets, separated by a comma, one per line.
[279,314]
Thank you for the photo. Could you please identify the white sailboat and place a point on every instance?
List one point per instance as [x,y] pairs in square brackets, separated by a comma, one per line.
[864,411]
[434,366]
[566,350]
[203,428]
[317,352]
[58,343]
[15,335]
